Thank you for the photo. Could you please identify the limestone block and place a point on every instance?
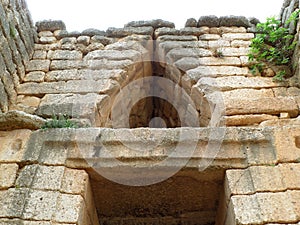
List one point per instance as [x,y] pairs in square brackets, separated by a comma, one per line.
[267,179]
[165,31]
[238,182]
[50,25]
[247,120]
[295,200]
[209,37]
[106,64]
[36,76]
[38,65]
[248,93]
[290,175]
[22,222]
[237,82]
[187,63]
[64,55]
[47,40]
[238,36]
[47,47]
[197,31]
[28,101]
[222,61]
[12,145]
[74,105]
[8,174]
[70,209]
[92,32]
[219,43]
[73,86]
[3,98]
[209,21]
[273,106]
[67,64]
[75,182]
[62,75]
[114,55]
[45,34]
[244,210]
[39,54]
[240,43]
[36,203]
[41,177]
[127,31]
[233,30]
[177,38]
[215,71]
[167,46]
[245,61]
[235,51]
[176,54]
[13,202]
[277,207]
[157,23]
[13,120]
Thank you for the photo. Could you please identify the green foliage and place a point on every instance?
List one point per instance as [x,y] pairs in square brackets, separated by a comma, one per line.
[12,31]
[218,53]
[60,121]
[273,45]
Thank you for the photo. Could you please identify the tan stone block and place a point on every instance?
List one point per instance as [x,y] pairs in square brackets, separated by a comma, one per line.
[244,210]
[47,40]
[41,177]
[75,182]
[75,86]
[45,34]
[238,36]
[12,145]
[237,82]
[209,37]
[276,207]
[39,54]
[29,101]
[70,209]
[47,47]
[240,43]
[64,55]
[67,64]
[247,120]
[290,175]
[114,55]
[264,105]
[287,143]
[295,200]
[177,38]
[233,29]
[245,60]
[38,65]
[234,51]
[8,174]
[40,205]
[105,64]
[238,182]
[216,71]
[248,93]
[219,43]
[222,61]
[176,54]
[36,76]
[267,178]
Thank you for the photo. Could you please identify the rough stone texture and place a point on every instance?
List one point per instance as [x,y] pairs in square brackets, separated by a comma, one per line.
[13,120]
[50,25]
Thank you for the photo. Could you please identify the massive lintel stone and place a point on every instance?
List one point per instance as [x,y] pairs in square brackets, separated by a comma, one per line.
[152,23]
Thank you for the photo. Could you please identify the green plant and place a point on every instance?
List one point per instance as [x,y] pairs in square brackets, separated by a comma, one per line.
[12,31]
[60,121]
[273,45]
[218,53]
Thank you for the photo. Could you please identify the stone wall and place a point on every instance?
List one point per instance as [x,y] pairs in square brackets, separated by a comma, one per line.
[17,44]
[289,6]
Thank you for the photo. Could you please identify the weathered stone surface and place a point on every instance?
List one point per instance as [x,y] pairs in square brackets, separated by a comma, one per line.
[235,51]
[67,64]
[241,36]
[47,40]
[91,32]
[237,82]
[19,120]
[36,76]
[177,38]
[8,174]
[64,55]
[273,106]
[50,25]
[209,37]
[75,181]
[218,44]
[114,55]
[41,177]
[192,22]
[234,21]
[166,31]
[153,23]
[209,21]
[248,120]
[76,86]
[176,54]
[102,39]
[123,32]
[197,31]
[38,65]
[215,71]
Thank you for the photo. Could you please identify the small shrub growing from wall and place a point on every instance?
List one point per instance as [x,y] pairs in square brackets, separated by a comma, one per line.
[273,46]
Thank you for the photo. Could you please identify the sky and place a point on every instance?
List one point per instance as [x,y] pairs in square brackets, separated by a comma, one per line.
[101,14]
